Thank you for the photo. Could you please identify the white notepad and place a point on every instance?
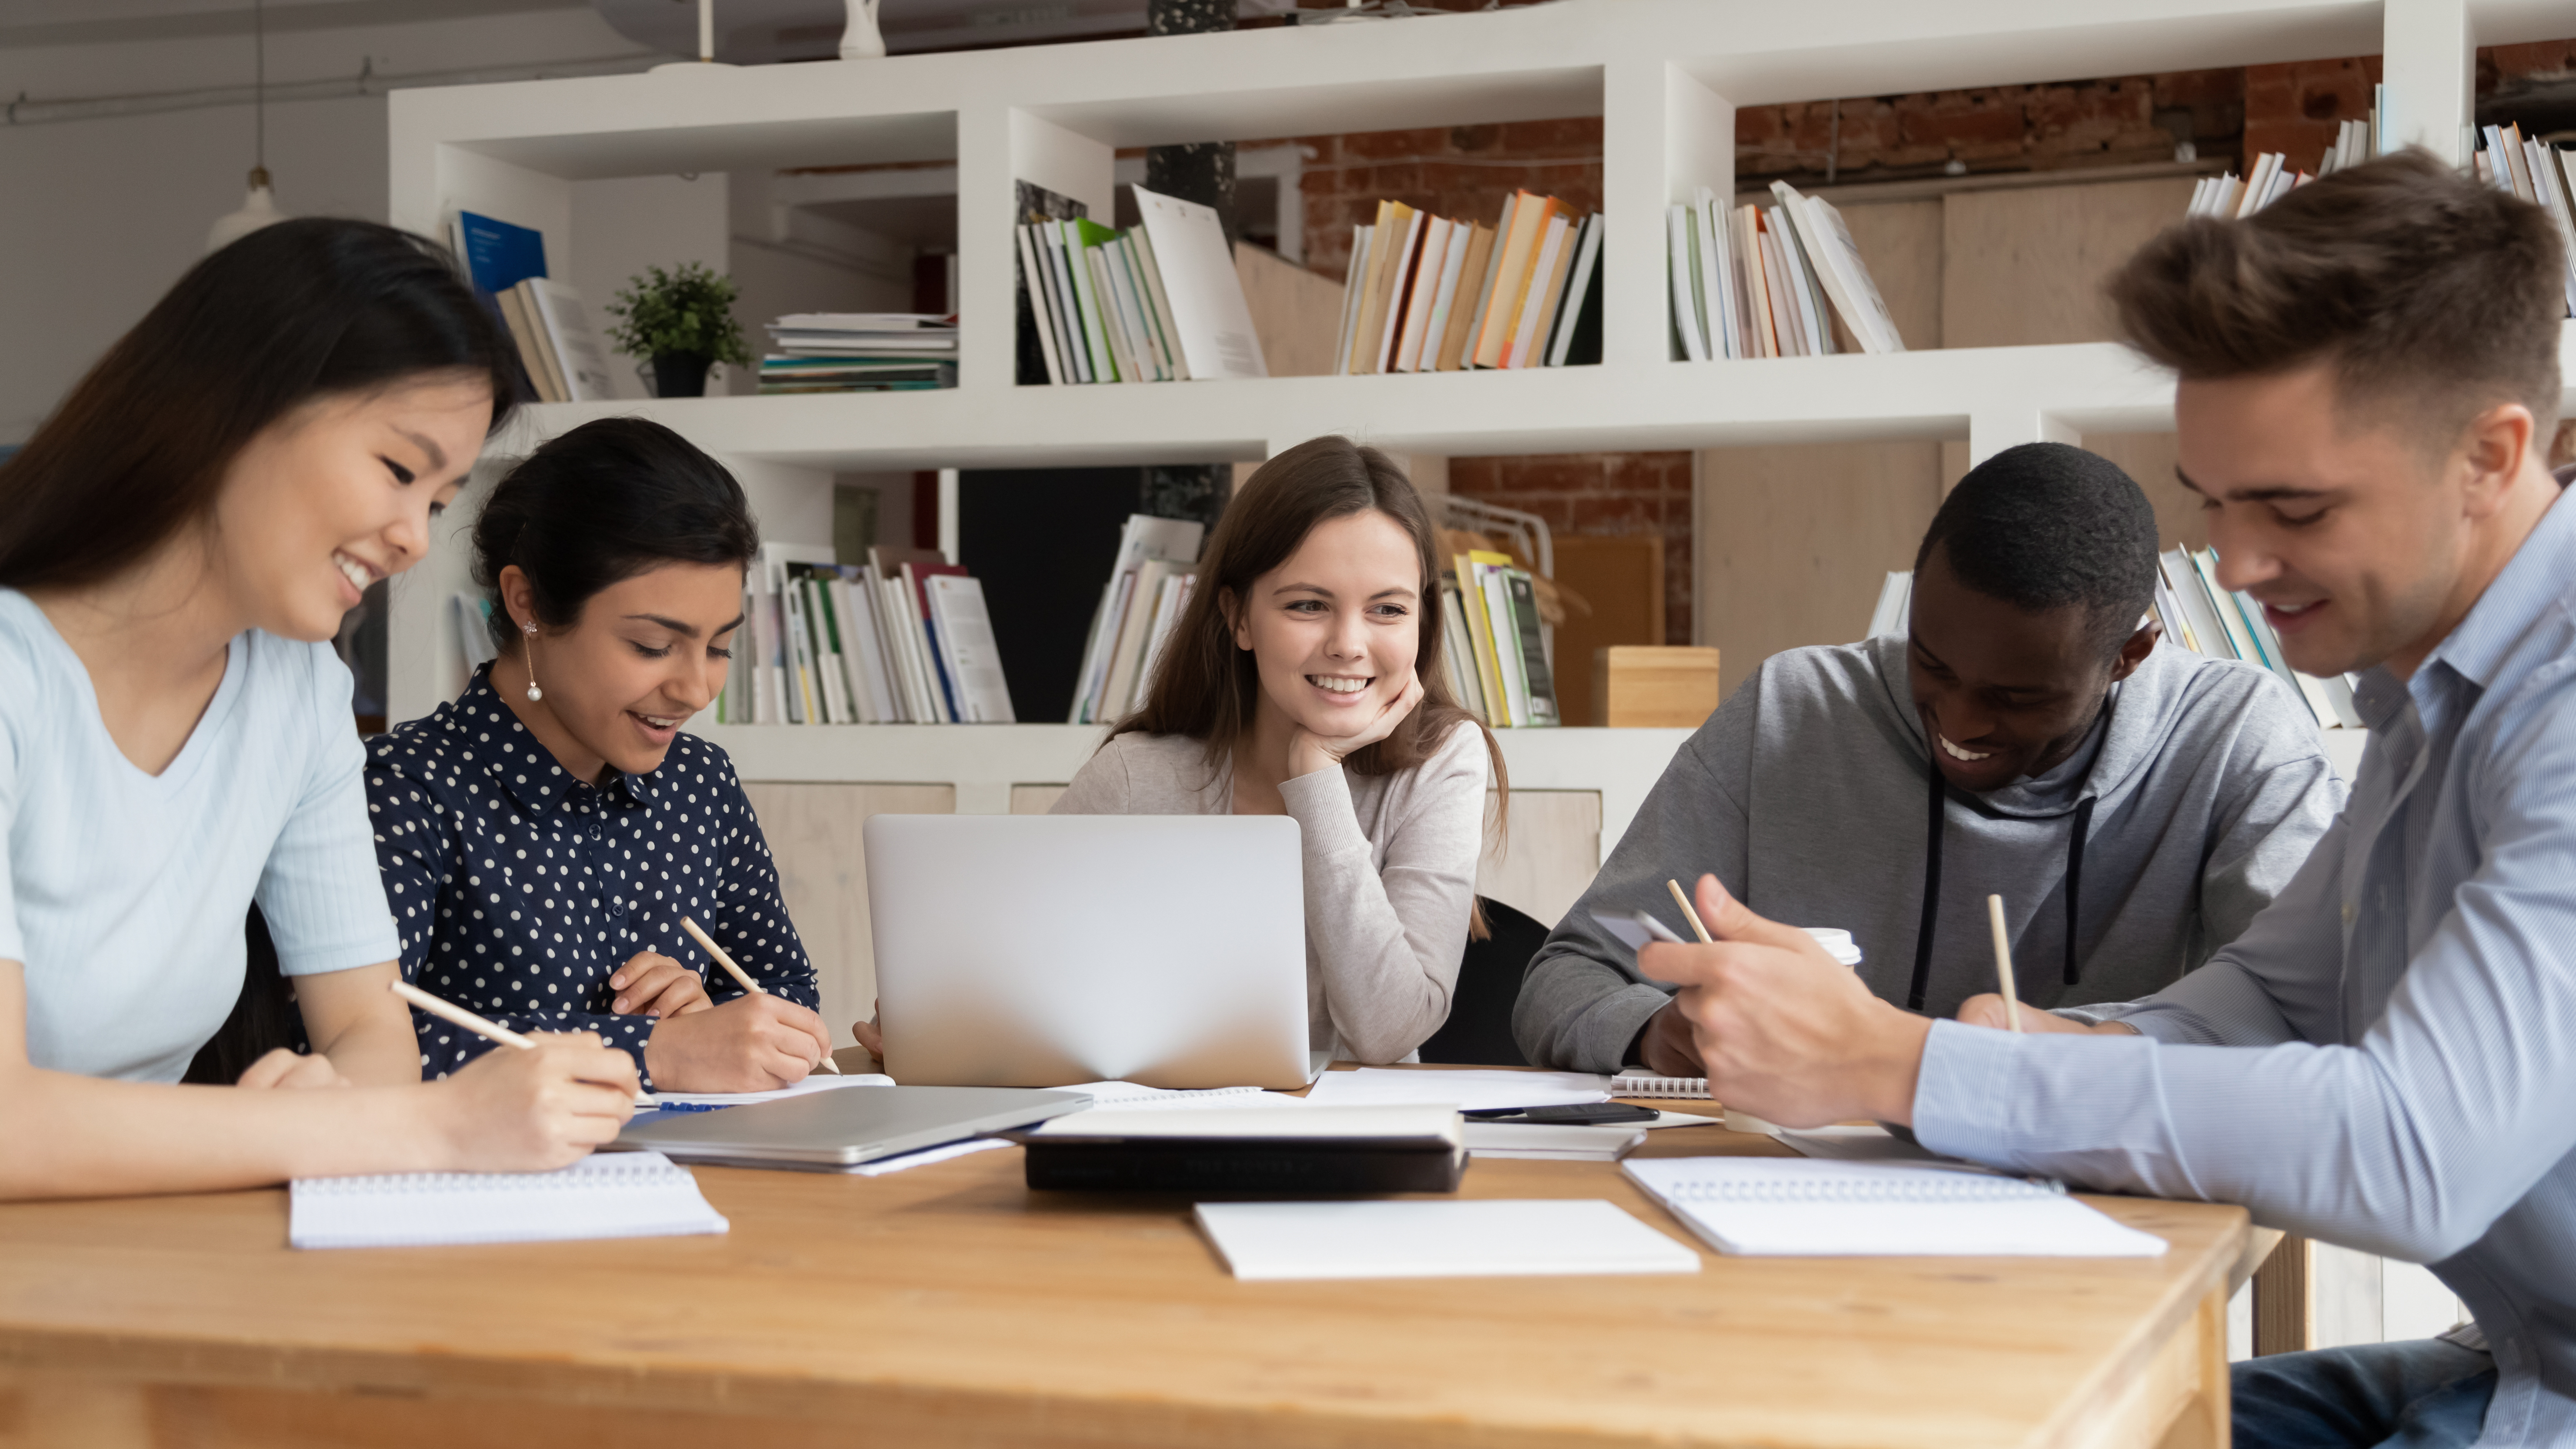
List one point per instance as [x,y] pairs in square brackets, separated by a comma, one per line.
[605,1195]
[1769,1206]
[1467,1091]
[1472,1239]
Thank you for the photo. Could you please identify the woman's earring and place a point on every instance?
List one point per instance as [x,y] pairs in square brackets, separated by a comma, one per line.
[534,693]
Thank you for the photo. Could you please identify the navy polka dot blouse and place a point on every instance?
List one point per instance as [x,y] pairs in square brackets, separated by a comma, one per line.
[519,889]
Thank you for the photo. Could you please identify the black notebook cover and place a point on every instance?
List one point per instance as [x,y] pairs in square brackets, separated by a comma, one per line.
[1271,1168]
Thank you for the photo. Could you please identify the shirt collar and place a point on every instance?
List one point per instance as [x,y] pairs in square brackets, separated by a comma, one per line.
[529,771]
[2532,581]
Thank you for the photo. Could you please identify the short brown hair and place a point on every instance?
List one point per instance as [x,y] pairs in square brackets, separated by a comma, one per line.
[2412,281]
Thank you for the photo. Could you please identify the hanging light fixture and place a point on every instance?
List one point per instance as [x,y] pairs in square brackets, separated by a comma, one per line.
[259,208]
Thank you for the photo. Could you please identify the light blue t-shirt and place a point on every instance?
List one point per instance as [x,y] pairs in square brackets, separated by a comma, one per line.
[125,893]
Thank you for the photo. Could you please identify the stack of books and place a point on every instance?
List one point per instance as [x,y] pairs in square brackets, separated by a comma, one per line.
[902,639]
[558,347]
[1427,294]
[860,352]
[1758,281]
[1158,302]
[1156,568]
[2201,616]
[1491,646]
[2270,177]
[2536,172]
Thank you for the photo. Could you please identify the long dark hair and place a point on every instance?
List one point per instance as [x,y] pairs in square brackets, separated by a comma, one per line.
[1206,688]
[599,505]
[292,312]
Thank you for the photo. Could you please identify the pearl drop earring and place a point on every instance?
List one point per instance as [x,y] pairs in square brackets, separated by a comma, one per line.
[534,693]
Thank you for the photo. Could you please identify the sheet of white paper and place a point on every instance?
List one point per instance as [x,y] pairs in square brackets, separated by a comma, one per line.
[1469,1091]
[942,1153]
[1454,1239]
[819,1082]
[1129,1096]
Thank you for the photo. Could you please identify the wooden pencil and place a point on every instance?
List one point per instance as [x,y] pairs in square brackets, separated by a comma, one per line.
[1688,914]
[717,953]
[2003,962]
[446,1010]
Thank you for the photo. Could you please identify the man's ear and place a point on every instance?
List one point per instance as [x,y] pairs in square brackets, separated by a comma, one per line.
[2135,649]
[2492,449]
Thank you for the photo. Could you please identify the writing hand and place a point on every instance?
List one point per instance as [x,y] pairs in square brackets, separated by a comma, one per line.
[534,1111]
[1666,1046]
[1988,1011]
[1786,1032]
[1309,752]
[749,1044]
[652,984]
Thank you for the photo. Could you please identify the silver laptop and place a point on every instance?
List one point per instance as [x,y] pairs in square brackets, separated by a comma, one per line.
[842,1128]
[1039,950]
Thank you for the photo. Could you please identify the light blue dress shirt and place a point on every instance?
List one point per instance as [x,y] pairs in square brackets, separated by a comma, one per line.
[2386,1058]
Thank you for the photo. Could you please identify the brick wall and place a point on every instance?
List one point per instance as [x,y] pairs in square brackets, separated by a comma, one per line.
[1466,171]
[1600,494]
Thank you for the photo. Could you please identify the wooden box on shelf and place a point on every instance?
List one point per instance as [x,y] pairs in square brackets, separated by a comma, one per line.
[1653,686]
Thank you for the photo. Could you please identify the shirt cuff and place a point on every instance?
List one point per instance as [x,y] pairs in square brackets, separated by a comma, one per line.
[1960,1094]
[1320,803]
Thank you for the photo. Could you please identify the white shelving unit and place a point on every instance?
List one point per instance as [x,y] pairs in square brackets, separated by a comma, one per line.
[1665,76]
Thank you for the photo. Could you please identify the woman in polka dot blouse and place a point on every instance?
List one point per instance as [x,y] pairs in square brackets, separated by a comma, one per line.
[542,836]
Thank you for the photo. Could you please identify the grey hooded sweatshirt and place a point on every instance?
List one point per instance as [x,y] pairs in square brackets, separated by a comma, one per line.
[1810,795]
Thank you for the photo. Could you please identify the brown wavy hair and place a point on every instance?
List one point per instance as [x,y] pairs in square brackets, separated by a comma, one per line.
[1206,688]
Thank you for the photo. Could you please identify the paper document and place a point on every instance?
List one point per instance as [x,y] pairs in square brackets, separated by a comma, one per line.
[1768,1206]
[819,1082]
[1124,1095]
[1467,1091]
[1309,1240]
[605,1195]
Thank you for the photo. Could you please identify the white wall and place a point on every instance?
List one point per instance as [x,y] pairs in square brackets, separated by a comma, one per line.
[99,217]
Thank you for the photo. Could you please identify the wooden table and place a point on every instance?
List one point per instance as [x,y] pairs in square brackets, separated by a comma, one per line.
[948,1305]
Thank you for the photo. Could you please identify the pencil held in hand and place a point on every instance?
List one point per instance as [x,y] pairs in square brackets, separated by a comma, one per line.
[1681,899]
[717,953]
[2003,963]
[449,1011]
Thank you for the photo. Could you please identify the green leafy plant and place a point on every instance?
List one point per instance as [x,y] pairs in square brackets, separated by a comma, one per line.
[688,312]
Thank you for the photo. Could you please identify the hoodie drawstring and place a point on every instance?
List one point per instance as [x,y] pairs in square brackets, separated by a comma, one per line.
[1932,886]
[1931,890]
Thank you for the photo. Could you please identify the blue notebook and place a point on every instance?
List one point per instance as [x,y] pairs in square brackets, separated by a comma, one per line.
[498,255]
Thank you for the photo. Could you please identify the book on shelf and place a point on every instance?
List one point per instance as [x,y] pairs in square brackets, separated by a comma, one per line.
[901,639]
[1497,654]
[1158,302]
[1150,580]
[2271,177]
[2536,171]
[1425,293]
[1770,281]
[2199,614]
[497,256]
[574,355]
[859,352]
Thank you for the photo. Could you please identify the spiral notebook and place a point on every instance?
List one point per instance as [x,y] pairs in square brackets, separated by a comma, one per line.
[605,1195]
[1779,1207]
[1647,1084]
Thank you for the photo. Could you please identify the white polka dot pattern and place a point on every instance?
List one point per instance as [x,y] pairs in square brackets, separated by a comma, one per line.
[519,889]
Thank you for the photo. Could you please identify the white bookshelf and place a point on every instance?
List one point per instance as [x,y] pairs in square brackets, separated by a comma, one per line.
[1665,76]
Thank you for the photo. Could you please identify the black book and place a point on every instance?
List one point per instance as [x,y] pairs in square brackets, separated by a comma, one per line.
[1268,1152]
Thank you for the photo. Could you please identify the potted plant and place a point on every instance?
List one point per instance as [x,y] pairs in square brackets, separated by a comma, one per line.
[682,321]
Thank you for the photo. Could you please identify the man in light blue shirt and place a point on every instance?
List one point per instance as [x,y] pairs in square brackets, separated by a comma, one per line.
[2386,1058]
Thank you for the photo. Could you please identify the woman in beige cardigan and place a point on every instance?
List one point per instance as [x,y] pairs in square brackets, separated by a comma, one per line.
[1304,679]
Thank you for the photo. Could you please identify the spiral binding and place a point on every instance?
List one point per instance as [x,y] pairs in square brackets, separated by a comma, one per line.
[1965,1187]
[1646,1084]
[607,1173]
